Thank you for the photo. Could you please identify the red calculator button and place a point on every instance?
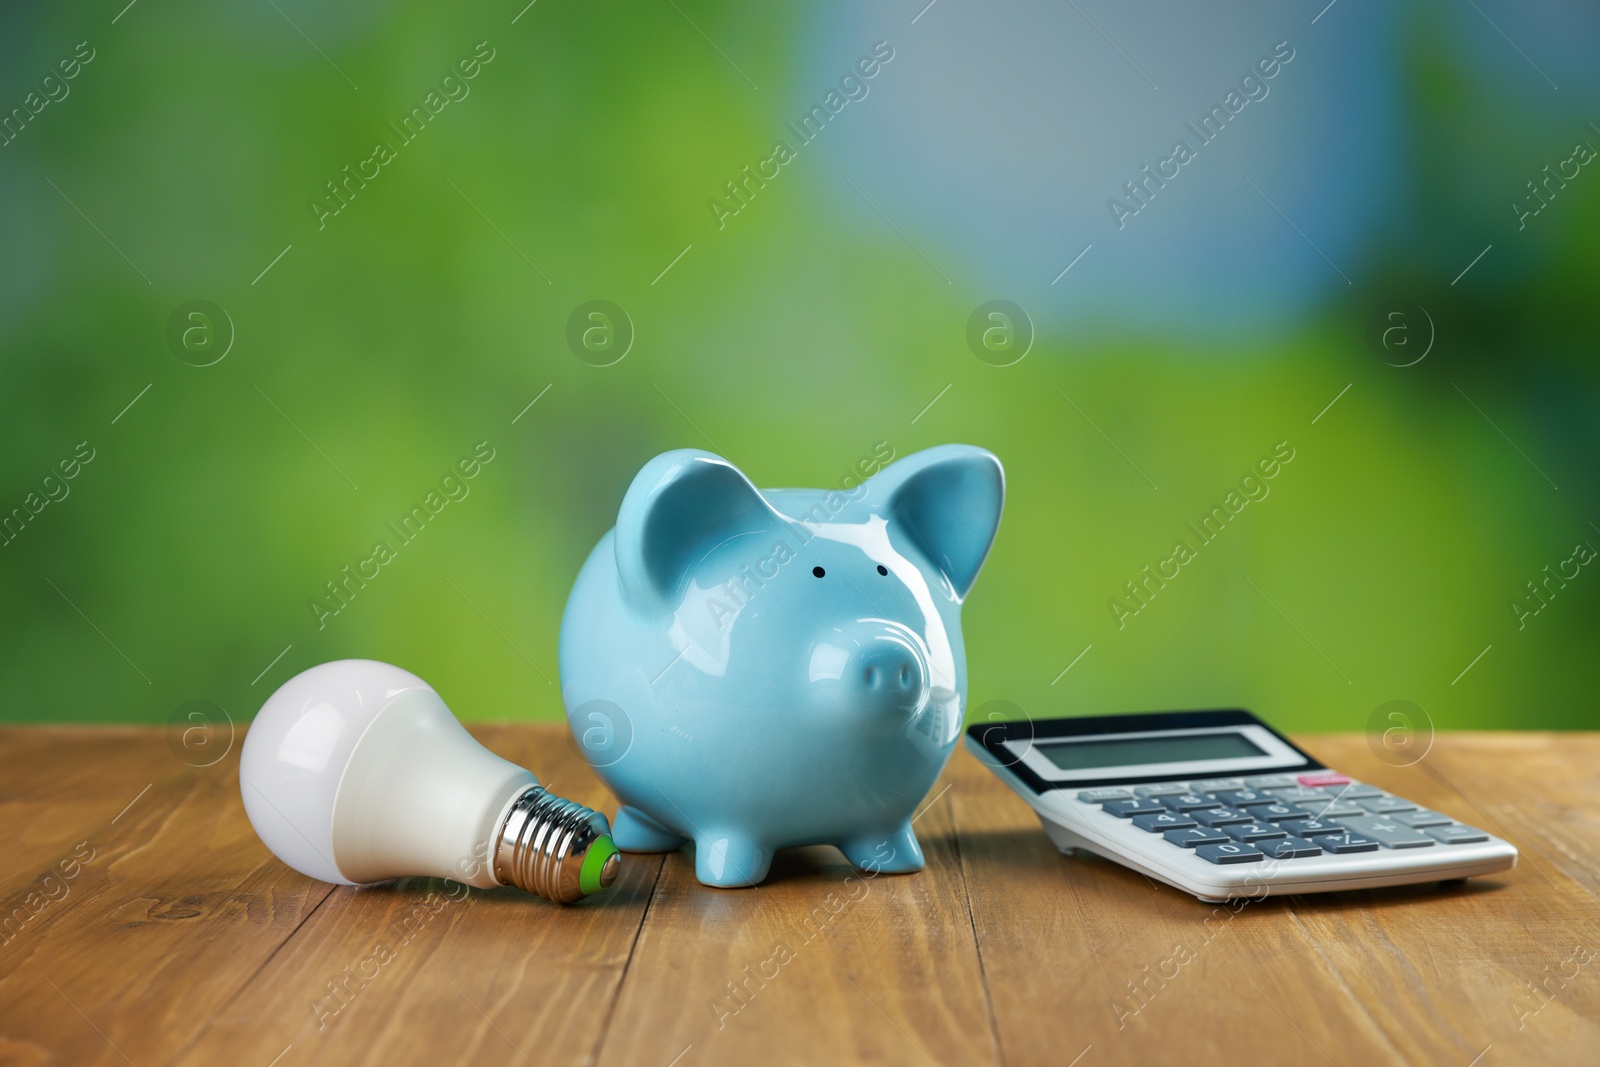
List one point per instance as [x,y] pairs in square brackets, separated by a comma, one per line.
[1324,778]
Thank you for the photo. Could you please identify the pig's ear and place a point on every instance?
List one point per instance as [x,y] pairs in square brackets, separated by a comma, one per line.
[946,501]
[681,505]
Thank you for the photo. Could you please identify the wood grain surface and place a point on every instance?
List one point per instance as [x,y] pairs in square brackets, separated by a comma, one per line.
[144,924]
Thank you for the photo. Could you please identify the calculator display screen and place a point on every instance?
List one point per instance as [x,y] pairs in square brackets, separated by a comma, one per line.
[1129,751]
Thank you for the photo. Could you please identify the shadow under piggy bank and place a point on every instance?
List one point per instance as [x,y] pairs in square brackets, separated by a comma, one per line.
[756,669]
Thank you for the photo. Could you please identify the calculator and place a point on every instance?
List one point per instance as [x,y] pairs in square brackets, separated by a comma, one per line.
[1220,805]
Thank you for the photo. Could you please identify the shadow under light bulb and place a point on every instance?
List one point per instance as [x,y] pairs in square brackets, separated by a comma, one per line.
[355,772]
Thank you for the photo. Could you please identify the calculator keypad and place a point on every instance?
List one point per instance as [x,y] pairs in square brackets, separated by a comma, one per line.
[1232,820]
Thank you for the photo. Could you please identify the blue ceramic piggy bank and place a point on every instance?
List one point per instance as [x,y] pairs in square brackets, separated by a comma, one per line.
[755,669]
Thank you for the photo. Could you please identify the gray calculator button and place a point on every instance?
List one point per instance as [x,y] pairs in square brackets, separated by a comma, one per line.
[1340,844]
[1311,827]
[1278,812]
[1213,785]
[1243,798]
[1289,848]
[1232,852]
[1388,832]
[1192,838]
[1161,821]
[1386,805]
[1456,835]
[1127,809]
[1269,781]
[1170,789]
[1187,802]
[1100,796]
[1353,791]
[1421,820]
[1221,817]
[1296,794]
[1335,810]
[1254,831]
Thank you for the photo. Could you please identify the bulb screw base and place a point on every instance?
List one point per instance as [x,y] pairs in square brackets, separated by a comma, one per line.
[555,848]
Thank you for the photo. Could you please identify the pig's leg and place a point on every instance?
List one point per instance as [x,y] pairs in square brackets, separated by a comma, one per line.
[728,860]
[634,831]
[896,852]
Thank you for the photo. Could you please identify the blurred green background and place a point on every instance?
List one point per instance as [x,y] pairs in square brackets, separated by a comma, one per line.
[823,318]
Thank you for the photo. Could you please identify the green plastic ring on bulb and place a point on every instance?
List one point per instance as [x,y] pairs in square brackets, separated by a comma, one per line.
[594,861]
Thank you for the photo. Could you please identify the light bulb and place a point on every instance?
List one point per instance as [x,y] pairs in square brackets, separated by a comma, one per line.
[356,772]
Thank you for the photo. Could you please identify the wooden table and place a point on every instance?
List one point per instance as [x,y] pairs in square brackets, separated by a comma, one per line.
[168,935]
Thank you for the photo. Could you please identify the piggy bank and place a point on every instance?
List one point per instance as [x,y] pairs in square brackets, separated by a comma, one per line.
[755,669]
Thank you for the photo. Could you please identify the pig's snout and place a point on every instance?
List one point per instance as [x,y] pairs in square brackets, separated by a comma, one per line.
[893,669]
[875,667]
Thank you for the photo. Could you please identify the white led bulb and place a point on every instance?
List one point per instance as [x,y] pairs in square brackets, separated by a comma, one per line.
[355,771]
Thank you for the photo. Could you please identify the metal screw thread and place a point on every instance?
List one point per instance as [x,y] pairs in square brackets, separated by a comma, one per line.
[543,843]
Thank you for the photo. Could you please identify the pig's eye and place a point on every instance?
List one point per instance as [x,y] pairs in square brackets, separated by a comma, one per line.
[883,570]
[818,571]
